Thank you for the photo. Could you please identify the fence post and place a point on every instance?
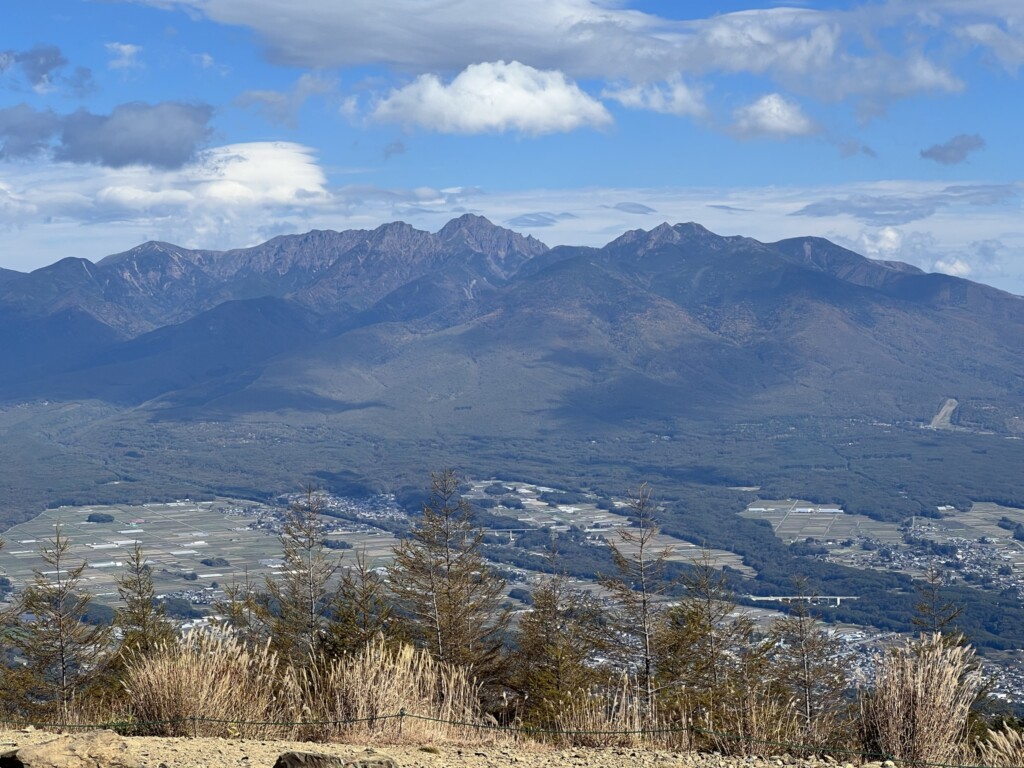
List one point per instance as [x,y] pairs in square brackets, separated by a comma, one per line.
[195,727]
[401,721]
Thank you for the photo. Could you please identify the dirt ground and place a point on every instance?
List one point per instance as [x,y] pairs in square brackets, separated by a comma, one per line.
[239,753]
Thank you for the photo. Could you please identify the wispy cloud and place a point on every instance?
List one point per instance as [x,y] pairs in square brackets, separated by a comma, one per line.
[538,220]
[673,97]
[955,150]
[891,209]
[123,55]
[1005,43]
[631,207]
[283,107]
[42,67]
[826,54]
[394,148]
[853,147]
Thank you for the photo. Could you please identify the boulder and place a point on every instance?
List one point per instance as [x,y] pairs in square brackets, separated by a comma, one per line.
[314,760]
[96,749]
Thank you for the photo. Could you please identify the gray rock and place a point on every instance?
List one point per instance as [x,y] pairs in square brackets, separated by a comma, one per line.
[98,749]
[314,760]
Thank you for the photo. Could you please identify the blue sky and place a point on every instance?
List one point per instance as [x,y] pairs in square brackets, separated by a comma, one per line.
[890,127]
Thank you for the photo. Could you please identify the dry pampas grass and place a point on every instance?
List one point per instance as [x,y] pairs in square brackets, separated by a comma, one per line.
[917,710]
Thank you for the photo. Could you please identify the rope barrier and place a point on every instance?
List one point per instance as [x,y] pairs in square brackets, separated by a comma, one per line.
[525,730]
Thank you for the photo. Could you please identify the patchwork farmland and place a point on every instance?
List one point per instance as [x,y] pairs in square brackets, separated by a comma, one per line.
[236,539]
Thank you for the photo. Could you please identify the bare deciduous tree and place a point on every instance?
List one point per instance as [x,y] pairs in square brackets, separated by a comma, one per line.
[809,663]
[638,589]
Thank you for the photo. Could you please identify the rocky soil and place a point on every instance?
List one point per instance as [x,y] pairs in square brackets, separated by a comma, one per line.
[106,750]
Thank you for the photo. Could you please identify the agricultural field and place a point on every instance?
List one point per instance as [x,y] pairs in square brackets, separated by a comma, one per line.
[538,506]
[982,537]
[176,538]
[796,520]
[196,548]
[982,521]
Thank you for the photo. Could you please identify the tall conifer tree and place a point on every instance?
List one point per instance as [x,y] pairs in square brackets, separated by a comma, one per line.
[450,599]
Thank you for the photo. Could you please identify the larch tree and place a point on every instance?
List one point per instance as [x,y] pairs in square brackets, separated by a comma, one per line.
[141,620]
[63,660]
[557,642]
[295,605]
[706,658]
[241,612]
[933,613]
[450,600]
[638,590]
[361,609]
[291,609]
[809,663]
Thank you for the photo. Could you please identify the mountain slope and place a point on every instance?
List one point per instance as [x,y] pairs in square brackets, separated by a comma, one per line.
[658,327]
[9,274]
[160,285]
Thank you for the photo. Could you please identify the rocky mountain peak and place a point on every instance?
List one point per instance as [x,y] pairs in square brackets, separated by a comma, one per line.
[467,222]
[640,241]
[479,234]
[400,239]
[147,250]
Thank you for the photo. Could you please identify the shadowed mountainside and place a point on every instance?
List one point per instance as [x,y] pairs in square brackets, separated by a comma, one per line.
[481,329]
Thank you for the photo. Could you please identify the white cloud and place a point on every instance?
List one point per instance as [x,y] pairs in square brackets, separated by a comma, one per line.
[1007,46]
[787,40]
[954,266]
[772,116]
[217,199]
[829,54]
[582,37]
[493,97]
[673,97]
[13,207]
[979,260]
[125,55]
[884,243]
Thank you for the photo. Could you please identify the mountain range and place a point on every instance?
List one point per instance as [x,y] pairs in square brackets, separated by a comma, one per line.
[477,335]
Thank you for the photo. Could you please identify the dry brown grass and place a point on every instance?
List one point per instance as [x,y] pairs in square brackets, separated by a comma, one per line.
[748,722]
[615,717]
[918,707]
[1003,749]
[382,680]
[209,685]
[212,685]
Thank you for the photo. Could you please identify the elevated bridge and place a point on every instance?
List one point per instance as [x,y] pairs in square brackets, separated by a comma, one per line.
[814,599]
